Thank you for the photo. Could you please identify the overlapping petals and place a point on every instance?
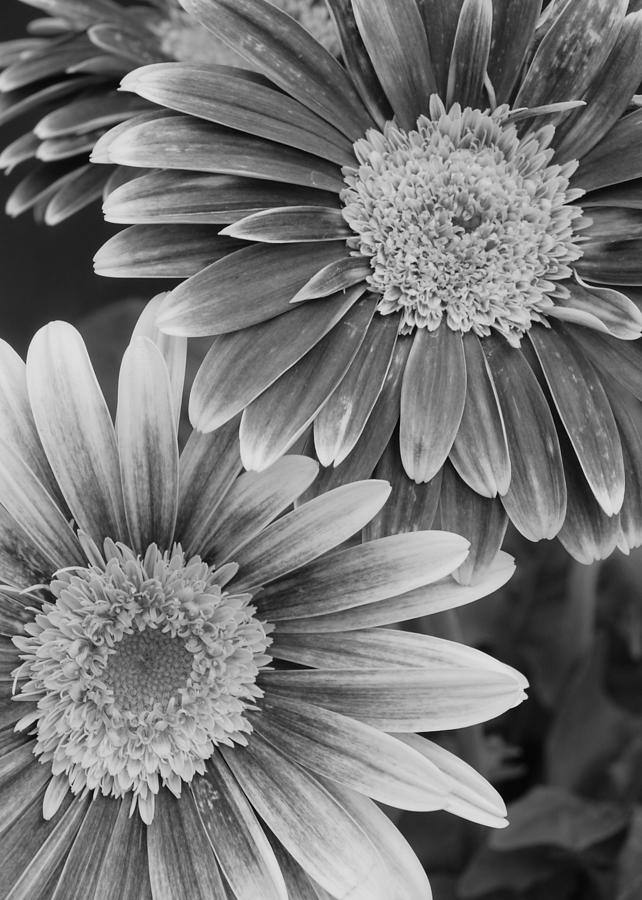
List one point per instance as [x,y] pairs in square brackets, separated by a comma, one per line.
[487,430]
[334,715]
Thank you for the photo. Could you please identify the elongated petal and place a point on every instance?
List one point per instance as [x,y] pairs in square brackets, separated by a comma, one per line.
[241,847]
[601,308]
[482,521]
[536,500]
[311,530]
[202,486]
[513,30]
[252,285]
[86,187]
[403,699]
[444,594]
[336,276]
[470,795]
[364,574]
[480,452]
[312,826]
[630,516]
[124,869]
[254,500]
[202,198]
[340,423]
[181,142]
[182,864]
[174,350]
[394,37]
[76,430]
[241,365]
[87,113]
[613,224]
[350,753]
[161,251]
[432,400]
[571,51]
[471,48]
[273,422]
[405,878]
[228,97]
[585,411]
[622,361]
[619,262]
[147,446]
[291,225]
[284,51]
[615,158]
[607,97]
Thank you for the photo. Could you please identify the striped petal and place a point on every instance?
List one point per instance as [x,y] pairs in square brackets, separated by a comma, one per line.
[229,97]
[254,500]
[601,308]
[147,446]
[631,513]
[252,285]
[202,486]
[622,361]
[181,142]
[173,350]
[76,430]
[402,699]
[274,421]
[182,864]
[364,574]
[615,158]
[86,187]
[619,262]
[395,39]
[161,251]
[480,452]
[482,521]
[584,409]
[471,48]
[310,824]
[336,276]
[424,601]
[536,500]
[350,753]
[513,30]
[239,842]
[309,531]
[290,57]
[432,400]
[341,421]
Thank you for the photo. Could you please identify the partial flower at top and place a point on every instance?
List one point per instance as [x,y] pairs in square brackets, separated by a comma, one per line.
[185,658]
[442,258]
[68,69]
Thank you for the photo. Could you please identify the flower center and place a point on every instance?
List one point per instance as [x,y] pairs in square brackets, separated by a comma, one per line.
[463,221]
[139,668]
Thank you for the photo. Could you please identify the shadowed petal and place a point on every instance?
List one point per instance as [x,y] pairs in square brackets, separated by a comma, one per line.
[182,864]
[432,400]
[513,30]
[615,159]
[584,408]
[630,516]
[393,34]
[147,446]
[536,500]
[174,350]
[239,842]
[619,262]
[76,430]
[291,225]
[601,308]
[469,59]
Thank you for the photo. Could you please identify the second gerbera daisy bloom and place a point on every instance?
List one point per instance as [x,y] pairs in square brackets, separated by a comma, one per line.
[425,237]
[182,653]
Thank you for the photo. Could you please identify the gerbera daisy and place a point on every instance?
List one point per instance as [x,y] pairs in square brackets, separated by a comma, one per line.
[191,669]
[69,68]
[444,264]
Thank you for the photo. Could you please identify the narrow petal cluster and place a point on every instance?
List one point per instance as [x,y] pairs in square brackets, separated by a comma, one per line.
[428,249]
[193,657]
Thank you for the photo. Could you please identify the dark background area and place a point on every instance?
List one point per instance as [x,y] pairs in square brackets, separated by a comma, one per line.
[46,273]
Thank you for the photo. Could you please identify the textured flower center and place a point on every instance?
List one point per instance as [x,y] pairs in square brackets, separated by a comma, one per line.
[139,668]
[463,221]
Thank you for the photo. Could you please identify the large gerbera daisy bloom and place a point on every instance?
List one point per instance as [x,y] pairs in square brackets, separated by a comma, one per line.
[191,670]
[67,72]
[443,272]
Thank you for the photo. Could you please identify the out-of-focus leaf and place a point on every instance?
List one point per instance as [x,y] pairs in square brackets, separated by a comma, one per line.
[507,876]
[630,862]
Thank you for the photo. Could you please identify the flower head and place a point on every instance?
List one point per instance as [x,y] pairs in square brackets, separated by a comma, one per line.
[68,70]
[183,652]
[441,252]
